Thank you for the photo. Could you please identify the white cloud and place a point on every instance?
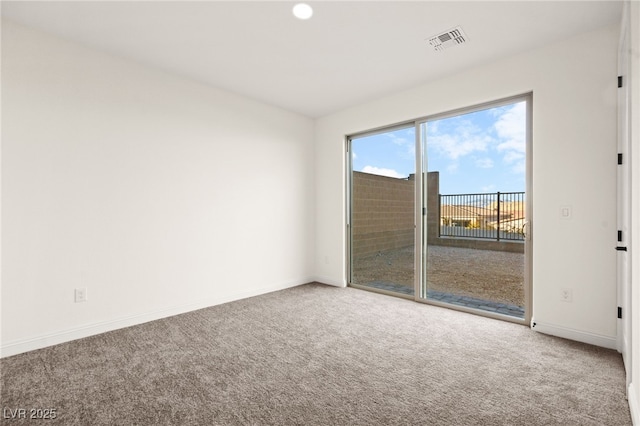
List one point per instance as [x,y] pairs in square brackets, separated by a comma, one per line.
[511,130]
[465,139]
[455,147]
[484,163]
[513,156]
[354,156]
[382,172]
[511,145]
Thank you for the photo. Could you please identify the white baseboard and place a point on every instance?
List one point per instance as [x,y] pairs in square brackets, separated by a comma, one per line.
[26,345]
[577,335]
[330,281]
[634,404]
[623,348]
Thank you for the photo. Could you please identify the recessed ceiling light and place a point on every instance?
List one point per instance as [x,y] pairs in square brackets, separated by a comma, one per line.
[302,11]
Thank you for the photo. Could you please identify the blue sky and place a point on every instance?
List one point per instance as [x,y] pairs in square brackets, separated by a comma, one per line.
[478,152]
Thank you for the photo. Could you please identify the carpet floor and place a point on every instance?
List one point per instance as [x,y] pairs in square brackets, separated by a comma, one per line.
[319,355]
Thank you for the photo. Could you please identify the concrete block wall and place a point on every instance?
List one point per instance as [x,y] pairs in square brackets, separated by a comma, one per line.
[383,213]
[433,207]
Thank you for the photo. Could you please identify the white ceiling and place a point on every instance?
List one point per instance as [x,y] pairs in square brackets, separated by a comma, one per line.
[347,53]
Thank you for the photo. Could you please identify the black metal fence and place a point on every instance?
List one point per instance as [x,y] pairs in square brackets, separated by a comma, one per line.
[495,216]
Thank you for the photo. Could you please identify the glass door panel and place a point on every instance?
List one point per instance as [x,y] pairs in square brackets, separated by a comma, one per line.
[382,211]
[474,191]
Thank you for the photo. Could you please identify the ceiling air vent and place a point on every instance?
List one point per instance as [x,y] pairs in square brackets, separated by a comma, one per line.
[448,39]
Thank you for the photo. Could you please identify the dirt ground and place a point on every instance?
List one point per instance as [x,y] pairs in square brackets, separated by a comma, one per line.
[489,275]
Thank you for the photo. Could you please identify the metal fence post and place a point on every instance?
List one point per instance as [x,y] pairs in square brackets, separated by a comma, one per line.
[498,222]
[440,215]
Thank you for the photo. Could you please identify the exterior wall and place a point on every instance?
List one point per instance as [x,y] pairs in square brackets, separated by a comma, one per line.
[433,207]
[383,213]
[478,244]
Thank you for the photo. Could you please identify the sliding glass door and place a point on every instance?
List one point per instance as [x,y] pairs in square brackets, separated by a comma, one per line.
[439,209]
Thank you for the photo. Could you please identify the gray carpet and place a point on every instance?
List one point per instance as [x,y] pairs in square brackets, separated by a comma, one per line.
[319,355]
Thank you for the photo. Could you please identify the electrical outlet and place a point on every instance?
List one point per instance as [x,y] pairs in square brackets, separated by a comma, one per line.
[81,295]
[566,295]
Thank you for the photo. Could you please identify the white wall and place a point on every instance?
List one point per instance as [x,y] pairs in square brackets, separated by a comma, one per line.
[634,81]
[574,149]
[157,194]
